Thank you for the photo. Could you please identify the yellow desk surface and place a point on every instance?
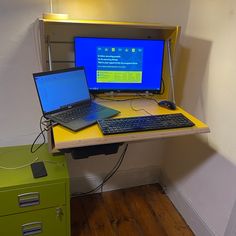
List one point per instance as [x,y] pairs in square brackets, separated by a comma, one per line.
[62,138]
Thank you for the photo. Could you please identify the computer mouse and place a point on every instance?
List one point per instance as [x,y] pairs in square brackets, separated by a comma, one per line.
[167,104]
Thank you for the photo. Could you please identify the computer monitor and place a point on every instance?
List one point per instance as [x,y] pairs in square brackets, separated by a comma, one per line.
[121,65]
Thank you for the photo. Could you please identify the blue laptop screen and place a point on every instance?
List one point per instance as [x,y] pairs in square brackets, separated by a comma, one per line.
[61,89]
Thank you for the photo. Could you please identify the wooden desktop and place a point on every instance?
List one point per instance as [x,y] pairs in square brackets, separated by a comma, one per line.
[62,138]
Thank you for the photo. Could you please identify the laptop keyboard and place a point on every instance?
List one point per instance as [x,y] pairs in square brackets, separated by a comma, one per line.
[78,112]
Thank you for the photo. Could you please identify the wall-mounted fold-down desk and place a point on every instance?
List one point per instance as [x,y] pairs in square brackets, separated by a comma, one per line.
[62,138]
[57,49]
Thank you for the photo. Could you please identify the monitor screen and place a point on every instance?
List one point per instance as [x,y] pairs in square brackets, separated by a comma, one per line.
[121,65]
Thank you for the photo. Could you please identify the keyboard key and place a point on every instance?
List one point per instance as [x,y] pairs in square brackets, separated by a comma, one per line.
[78,112]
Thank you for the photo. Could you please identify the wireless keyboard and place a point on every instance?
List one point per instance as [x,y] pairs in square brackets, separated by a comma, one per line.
[144,123]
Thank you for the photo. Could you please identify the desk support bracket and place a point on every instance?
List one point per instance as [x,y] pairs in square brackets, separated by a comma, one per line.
[89,151]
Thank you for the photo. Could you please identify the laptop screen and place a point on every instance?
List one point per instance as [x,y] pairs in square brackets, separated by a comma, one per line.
[61,89]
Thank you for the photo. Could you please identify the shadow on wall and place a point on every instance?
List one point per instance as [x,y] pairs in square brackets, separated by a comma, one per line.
[186,155]
[204,180]
[191,71]
[141,165]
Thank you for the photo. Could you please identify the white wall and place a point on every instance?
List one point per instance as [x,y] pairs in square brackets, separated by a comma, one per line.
[18,59]
[201,168]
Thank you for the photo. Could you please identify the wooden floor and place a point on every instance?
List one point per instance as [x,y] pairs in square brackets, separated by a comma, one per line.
[144,210]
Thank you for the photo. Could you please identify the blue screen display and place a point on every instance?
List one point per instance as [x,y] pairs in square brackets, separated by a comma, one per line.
[114,64]
[61,89]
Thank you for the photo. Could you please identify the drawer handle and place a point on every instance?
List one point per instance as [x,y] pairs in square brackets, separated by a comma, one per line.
[28,199]
[32,228]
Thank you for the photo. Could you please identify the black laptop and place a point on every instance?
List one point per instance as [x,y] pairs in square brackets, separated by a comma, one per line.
[65,99]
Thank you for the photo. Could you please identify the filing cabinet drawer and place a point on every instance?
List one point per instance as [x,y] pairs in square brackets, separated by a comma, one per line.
[47,222]
[32,198]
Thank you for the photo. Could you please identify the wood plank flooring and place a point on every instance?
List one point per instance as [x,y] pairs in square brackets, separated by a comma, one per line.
[139,211]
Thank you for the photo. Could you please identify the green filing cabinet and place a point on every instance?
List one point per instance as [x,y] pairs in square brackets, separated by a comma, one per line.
[30,206]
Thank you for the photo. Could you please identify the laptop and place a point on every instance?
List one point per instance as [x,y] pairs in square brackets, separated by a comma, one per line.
[65,99]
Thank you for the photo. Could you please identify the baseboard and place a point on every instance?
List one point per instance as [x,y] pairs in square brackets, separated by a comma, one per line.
[185,208]
[122,179]
[231,227]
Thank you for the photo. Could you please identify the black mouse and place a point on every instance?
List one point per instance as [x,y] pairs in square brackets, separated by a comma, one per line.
[167,104]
